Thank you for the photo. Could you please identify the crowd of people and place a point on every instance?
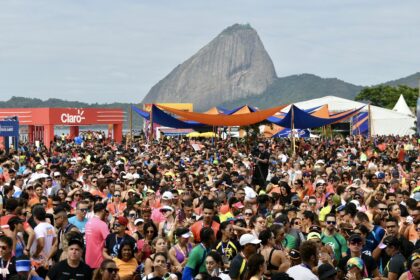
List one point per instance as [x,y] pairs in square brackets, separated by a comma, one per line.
[235,209]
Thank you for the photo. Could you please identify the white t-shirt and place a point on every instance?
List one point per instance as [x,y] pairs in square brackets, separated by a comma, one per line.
[46,231]
[301,272]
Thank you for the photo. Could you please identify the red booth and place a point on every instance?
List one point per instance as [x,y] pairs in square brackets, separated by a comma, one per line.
[41,121]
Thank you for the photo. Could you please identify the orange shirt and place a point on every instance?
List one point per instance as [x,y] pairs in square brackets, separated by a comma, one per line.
[116,210]
[197,226]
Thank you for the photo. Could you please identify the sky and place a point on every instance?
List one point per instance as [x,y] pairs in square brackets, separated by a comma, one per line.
[115,51]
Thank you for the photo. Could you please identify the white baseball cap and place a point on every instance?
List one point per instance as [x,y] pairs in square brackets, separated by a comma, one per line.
[248,238]
[167,195]
[138,221]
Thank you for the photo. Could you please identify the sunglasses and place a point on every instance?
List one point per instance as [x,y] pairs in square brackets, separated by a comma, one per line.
[297,223]
[150,231]
[132,215]
[117,195]
[312,203]
[331,222]
[3,247]
[116,225]
[94,181]
[113,270]
[83,209]
[383,209]
[358,243]
[248,214]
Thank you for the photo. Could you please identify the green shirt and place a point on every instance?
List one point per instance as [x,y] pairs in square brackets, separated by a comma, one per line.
[196,259]
[289,242]
[337,242]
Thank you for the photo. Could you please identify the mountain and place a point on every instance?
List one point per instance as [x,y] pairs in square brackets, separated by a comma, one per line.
[297,88]
[411,81]
[233,65]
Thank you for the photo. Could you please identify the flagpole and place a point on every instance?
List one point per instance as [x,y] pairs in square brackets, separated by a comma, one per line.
[151,124]
[293,132]
[369,122]
[131,123]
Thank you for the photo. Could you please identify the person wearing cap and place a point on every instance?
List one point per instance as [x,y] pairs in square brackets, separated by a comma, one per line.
[115,239]
[167,227]
[250,245]
[309,255]
[73,267]
[16,227]
[355,244]
[395,267]
[327,272]
[196,260]
[179,253]
[165,200]
[355,267]
[96,232]
[332,238]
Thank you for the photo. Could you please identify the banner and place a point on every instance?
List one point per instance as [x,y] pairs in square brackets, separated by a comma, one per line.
[360,124]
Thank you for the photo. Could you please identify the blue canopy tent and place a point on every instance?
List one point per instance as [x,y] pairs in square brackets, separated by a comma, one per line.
[298,118]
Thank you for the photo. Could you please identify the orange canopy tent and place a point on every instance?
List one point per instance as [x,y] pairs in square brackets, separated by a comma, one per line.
[225,120]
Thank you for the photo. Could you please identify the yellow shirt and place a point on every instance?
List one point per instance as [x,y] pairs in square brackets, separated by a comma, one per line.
[126,268]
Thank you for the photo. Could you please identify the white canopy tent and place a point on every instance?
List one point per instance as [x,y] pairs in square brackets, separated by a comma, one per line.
[384,121]
[402,107]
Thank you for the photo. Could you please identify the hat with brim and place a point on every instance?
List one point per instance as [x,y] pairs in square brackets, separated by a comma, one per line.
[325,271]
[166,208]
[248,239]
[138,221]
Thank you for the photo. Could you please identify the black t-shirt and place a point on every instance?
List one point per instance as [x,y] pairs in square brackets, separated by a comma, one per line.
[237,268]
[396,265]
[11,268]
[62,271]
[369,265]
[112,243]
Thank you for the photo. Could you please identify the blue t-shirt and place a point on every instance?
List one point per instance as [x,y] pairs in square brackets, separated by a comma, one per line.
[79,224]
[373,239]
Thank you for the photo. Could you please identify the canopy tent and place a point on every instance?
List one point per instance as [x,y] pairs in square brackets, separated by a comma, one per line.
[143,114]
[297,118]
[383,121]
[402,107]
[223,120]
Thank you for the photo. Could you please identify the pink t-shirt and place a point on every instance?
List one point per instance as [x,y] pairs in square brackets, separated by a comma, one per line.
[96,232]
[157,216]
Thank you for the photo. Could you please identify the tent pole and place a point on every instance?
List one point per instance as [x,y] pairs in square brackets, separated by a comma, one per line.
[293,132]
[369,122]
[151,124]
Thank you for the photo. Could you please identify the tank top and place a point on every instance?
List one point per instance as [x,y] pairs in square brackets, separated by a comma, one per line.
[179,254]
